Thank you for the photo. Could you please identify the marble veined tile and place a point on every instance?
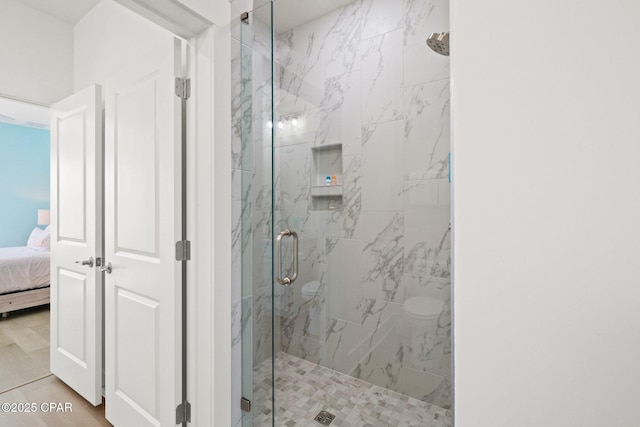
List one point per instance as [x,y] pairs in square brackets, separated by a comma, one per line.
[427,343]
[342,345]
[261,179]
[340,48]
[295,211]
[379,318]
[262,273]
[427,130]
[381,68]
[241,233]
[236,323]
[382,167]
[341,118]
[421,18]
[298,66]
[307,348]
[344,269]
[427,286]
[237,89]
[302,314]
[427,250]
[426,387]
[236,232]
[380,16]
[261,324]
[382,364]
[242,102]
[384,239]
[293,165]
[346,223]
[327,46]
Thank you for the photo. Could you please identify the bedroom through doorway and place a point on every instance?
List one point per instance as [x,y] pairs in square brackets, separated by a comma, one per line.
[24,243]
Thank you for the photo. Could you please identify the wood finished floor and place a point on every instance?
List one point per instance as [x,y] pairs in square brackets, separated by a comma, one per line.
[45,391]
[25,377]
[24,347]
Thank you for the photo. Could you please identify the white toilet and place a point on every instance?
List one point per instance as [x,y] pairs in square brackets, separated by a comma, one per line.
[310,291]
[421,314]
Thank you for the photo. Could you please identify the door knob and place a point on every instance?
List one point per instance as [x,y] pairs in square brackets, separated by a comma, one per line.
[88,262]
[106,268]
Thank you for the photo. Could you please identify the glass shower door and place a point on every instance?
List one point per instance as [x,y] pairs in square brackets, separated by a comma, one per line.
[341,210]
[252,235]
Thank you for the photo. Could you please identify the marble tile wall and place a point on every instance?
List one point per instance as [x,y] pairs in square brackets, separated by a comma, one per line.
[363,77]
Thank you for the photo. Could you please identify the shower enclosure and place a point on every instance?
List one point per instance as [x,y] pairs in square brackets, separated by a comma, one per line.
[341,208]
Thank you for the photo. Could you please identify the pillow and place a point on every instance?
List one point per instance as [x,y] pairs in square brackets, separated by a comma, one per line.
[47,229]
[39,240]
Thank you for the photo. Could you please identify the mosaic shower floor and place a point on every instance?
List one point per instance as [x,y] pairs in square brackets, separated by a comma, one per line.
[303,389]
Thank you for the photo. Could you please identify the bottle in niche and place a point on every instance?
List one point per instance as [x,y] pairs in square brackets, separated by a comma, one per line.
[327,180]
[334,180]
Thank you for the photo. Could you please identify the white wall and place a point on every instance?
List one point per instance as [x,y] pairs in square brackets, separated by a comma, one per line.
[546,122]
[110,35]
[37,54]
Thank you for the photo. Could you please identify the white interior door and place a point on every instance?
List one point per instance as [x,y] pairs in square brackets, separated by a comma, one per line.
[76,236]
[142,226]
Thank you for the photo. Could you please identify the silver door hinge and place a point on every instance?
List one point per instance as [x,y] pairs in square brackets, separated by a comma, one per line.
[183,412]
[183,88]
[183,250]
[245,404]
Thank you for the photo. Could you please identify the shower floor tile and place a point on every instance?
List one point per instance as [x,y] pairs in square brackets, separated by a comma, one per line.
[303,389]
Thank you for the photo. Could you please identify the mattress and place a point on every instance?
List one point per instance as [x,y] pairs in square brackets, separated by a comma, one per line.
[22,268]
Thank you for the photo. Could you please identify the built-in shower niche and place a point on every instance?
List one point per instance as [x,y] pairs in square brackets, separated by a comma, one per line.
[326,177]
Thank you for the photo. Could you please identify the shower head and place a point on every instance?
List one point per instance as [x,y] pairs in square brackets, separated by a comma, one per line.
[439,42]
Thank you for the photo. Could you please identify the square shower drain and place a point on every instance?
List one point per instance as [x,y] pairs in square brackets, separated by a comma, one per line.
[325,418]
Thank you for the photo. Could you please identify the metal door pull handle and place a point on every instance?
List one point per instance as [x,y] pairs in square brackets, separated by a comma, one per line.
[287,280]
[106,268]
[88,262]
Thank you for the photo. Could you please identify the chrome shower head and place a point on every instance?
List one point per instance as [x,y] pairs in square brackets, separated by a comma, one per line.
[439,42]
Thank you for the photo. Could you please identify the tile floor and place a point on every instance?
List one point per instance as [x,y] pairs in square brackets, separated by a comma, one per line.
[303,389]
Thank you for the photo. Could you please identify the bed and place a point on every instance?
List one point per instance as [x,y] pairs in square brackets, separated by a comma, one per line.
[24,278]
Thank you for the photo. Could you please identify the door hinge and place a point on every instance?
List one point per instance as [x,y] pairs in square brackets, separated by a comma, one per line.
[245,404]
[183,88]
[183,412]
[183,250]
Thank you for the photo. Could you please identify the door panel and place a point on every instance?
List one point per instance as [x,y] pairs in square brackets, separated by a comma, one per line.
[76,235]
[72,170]
[136,153]
[71,293]
[137,365]
[142,224]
